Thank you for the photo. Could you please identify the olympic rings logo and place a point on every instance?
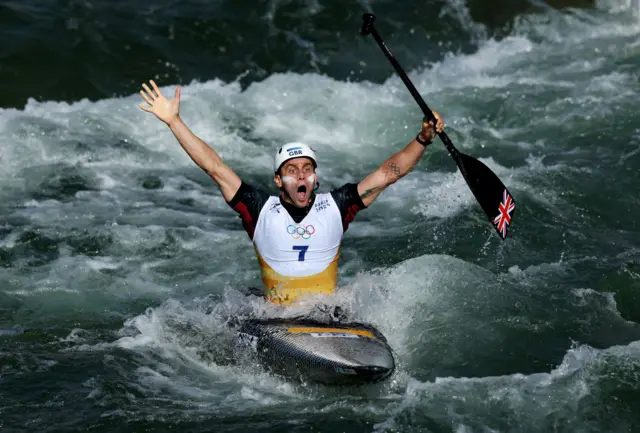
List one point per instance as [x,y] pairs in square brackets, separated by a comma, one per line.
[298,232]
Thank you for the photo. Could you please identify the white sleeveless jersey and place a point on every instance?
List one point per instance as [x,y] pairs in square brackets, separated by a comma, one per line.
[297,258]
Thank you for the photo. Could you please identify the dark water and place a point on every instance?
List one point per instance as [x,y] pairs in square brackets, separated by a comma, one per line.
[69,50]
[120,262]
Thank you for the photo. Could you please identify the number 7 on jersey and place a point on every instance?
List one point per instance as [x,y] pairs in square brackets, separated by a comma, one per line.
[302,250]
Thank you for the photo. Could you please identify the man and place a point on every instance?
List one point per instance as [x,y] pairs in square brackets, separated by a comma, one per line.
[297,234]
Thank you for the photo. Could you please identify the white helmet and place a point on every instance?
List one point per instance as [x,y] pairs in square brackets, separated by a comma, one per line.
[293,150]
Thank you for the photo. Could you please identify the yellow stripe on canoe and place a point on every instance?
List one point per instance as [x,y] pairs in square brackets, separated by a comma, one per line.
[302,330]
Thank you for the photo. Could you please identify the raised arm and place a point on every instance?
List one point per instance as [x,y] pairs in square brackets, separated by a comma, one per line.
[168,110]
[399,165]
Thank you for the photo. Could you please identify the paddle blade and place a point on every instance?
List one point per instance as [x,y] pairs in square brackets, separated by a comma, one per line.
[490,192]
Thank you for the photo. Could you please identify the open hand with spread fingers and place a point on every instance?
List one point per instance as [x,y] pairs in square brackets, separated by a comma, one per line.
[167,110]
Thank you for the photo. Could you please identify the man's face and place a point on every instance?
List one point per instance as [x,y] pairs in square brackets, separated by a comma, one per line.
[297,177]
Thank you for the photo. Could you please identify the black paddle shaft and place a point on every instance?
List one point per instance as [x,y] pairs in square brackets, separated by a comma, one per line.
[368,28]
[488,189]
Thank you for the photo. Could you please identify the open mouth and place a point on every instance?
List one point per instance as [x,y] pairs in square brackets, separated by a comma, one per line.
[302,192]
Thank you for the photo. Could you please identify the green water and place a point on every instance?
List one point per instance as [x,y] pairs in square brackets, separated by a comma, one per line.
[120,262]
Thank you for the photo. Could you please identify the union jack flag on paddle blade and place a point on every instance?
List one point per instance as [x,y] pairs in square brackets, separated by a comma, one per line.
[505,209]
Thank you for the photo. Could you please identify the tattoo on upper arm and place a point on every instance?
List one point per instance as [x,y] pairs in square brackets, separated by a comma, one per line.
[370,191]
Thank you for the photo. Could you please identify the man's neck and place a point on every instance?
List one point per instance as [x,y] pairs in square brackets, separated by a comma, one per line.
[296,212]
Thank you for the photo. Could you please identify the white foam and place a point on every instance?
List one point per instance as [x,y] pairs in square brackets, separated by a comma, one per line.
[172,338]
[344,121]
[531,399]
[620,6]
[354,127]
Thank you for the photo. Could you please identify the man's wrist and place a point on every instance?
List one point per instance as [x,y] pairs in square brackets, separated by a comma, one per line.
[422,141]
[171,123]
